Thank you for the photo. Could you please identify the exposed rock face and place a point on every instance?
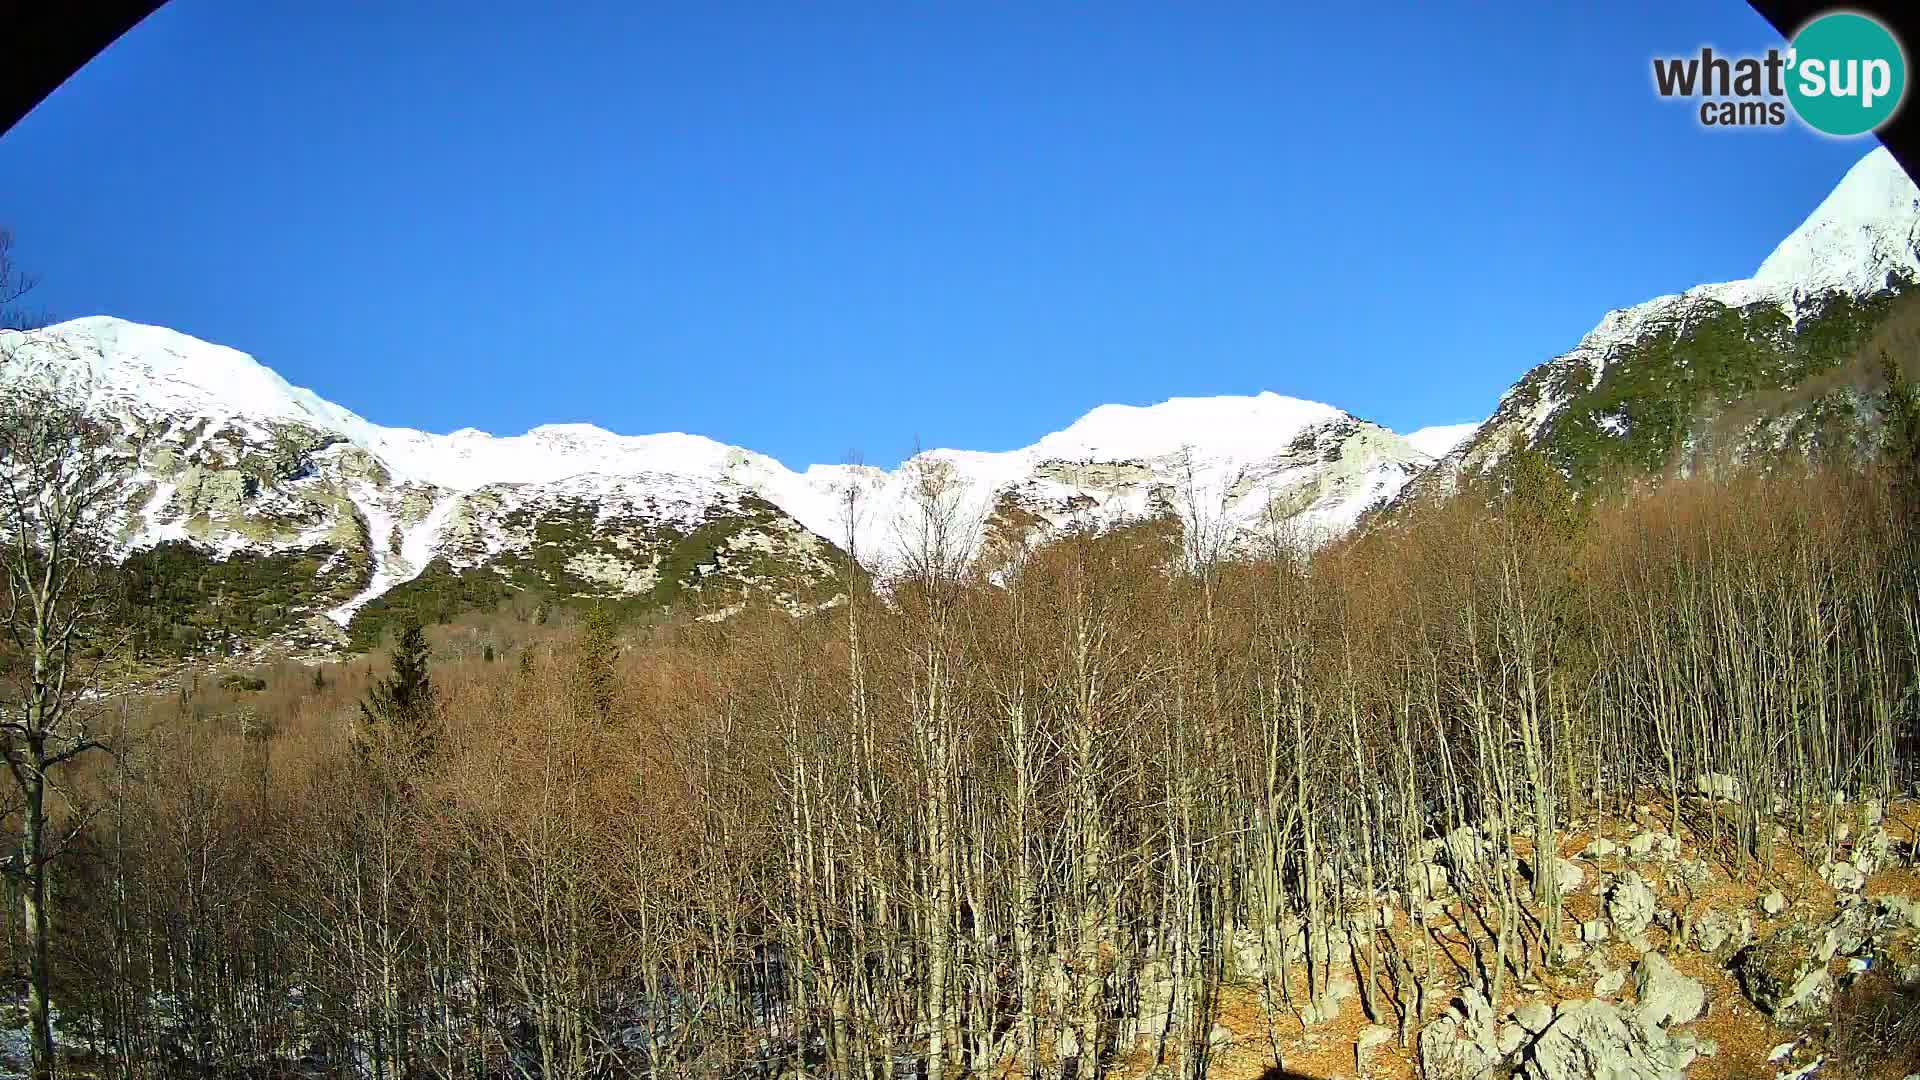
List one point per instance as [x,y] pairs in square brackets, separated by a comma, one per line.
[1902,910]
[1785,975]
[1599,849]
[1154,1010]
[1720,935]
[1848,933]
[1463,1045]
[1630,904]
[1593,1040]
[1843,876]
[1719,786]
[1870,852]
[1609,983]
[1665,996]
[1534,1016]
[1568,875]
[1653,844]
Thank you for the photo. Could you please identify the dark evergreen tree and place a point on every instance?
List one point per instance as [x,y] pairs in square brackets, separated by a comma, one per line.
[1530,493]
[599,650]
[402,704]
[1901,448]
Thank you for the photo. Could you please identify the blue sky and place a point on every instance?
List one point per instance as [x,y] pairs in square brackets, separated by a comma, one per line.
[823,228]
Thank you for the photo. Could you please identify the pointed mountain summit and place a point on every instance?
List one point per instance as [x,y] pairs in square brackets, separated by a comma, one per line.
[1663,382]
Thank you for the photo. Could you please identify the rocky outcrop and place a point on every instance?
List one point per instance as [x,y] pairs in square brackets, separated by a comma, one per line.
[1720,934]
[1579,1040]
[1464,1044]
[1664,995]
[1630,905]
[1786,976]
[1594,1040]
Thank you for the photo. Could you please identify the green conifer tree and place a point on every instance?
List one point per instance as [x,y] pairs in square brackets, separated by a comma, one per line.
[402,704]
[598,649]
[1901,448]
[1533,495]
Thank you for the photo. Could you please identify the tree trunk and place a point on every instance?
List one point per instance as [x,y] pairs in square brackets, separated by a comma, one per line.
[32,847]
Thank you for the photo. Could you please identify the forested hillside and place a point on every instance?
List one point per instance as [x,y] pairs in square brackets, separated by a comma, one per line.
[1125,807]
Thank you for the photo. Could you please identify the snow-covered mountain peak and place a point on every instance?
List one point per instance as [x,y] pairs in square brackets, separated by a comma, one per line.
[1863,230]
[153,368]
[1210,427]
[238,459]
[1863,237]
[1442,439]
[1859,244]
[154,371]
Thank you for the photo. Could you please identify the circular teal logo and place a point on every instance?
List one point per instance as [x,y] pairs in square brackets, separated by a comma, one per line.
[1848,74]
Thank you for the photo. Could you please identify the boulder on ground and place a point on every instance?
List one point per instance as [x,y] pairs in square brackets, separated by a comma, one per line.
[1714,934]
[1510,1038]
[1785,976]
[1372,1037]
[1249,956]
[1873,850]
[1848,933]
[1609,983]
[1154,1010]
[1593,1040]
[1463,1044]
[1665,996]
[1568,875]
[1534,1016]
[1720,786]
[1843,876]
[1630,905]
[1711,931]
[1697,873]
[1902,909]
[1463,851]
[1655,843]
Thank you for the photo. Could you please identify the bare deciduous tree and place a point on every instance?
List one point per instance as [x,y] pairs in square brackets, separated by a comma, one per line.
[58,488]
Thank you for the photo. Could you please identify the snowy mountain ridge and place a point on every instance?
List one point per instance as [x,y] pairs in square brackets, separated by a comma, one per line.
[204,411]
[231,460]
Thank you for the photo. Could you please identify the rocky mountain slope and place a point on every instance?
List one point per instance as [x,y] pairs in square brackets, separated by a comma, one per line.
[1744,366]
[299,517]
